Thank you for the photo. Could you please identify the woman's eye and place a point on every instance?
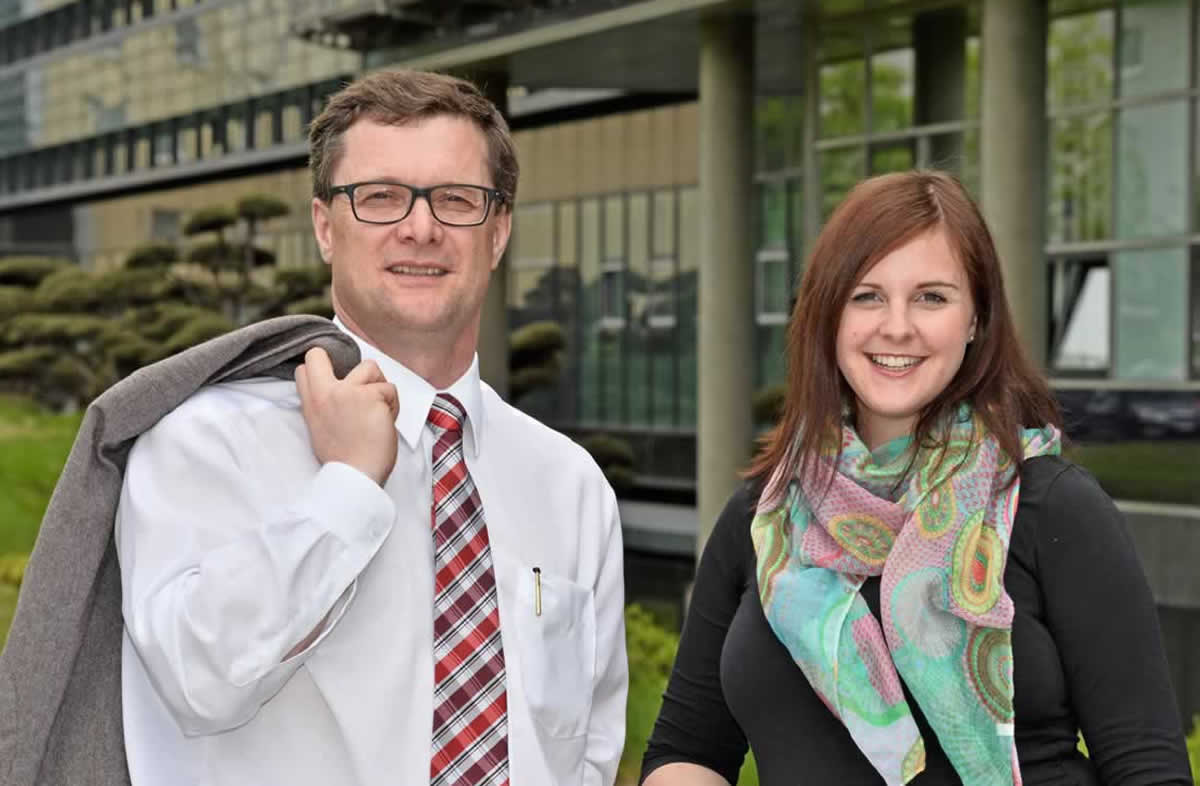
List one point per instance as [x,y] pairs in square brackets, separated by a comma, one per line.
[864,297]
[931,297]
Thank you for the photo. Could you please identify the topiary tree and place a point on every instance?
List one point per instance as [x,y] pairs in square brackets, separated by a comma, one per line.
[615,458]
[767,404]
[155,256]
[535,357]
[299,290]
[253,210]
[28,272]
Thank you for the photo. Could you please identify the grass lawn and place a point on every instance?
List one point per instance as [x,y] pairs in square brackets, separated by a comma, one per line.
[8,605]
[33,448]
[1159,471]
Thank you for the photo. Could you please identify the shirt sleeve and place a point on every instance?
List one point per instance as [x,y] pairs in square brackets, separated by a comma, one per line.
[1101,612]
[219,580]
[606,725]
[695,725]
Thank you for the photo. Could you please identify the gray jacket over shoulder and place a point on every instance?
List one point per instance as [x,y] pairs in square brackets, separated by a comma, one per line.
[60,672]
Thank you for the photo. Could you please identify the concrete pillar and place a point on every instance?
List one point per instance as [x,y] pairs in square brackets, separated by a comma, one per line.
[493,326]
[1013,156]
[940,48]
[726,317]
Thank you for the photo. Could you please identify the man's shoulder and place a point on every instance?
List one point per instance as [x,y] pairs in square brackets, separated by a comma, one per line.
[535,439]
[226,405]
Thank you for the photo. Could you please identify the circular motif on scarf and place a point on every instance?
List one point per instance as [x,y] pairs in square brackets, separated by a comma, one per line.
[975,580]
[919,614]
[936,515]
[864,537]
[989,665]
[914,761]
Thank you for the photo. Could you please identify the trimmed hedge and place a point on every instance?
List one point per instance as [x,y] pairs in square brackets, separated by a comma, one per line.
[12,568]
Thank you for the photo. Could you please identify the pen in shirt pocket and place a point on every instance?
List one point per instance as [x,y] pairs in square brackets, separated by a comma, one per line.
[537,592]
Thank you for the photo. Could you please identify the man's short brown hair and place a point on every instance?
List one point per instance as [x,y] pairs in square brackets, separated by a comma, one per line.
[400,97]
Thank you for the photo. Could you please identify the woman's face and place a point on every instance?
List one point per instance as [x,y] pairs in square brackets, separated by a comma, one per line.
[903,334]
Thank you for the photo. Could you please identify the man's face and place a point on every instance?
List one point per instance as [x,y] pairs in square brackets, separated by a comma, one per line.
[418,279]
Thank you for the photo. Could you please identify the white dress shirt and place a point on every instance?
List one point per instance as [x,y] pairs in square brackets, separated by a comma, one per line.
[235,543]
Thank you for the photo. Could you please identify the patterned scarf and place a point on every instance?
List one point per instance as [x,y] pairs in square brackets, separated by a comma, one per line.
[939,537]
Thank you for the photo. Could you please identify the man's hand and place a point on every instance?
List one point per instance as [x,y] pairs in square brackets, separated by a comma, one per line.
[352,420]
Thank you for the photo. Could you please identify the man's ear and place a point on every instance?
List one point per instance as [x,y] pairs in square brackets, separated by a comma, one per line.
[323,229]
[500,235]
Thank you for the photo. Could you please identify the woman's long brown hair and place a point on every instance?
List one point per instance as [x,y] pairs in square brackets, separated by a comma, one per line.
[996,378]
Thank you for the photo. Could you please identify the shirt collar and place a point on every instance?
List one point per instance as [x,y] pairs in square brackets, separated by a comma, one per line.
[416,395]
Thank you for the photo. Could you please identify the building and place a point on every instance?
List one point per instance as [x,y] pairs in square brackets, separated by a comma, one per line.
[678,157]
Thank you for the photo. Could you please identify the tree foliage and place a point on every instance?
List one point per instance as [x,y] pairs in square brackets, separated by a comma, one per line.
[67,333]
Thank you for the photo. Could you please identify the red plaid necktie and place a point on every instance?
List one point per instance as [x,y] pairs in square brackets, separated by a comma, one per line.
[470,720]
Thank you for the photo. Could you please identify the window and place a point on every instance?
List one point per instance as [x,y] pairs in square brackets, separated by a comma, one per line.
[1079,315]
[612,296]
[660,308]
[773,289]
[1150,293]
[1195,307]
[189,45]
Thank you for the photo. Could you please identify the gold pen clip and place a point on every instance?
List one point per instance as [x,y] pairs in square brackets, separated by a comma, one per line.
[537,592]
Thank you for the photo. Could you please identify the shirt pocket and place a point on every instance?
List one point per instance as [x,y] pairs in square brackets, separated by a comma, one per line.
[558,650]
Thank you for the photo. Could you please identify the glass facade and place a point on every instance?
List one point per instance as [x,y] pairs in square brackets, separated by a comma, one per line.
[102,88]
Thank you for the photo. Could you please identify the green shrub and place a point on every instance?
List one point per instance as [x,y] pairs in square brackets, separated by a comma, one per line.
[607,450]
[28,271]
[767,404]
[530,343]
[319,305]
[1193,747]
[25,329]
[12,568]
[214,218]
[651,651]
[154,256]
[197,331]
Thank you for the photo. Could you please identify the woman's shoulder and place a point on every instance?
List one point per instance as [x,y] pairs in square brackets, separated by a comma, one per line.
[1057,480]
[1062,500]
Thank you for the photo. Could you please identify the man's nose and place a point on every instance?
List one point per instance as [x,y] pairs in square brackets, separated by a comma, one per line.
[419,226]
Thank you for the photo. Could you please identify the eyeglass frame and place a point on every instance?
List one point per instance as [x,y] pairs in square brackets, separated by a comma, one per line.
[492,195]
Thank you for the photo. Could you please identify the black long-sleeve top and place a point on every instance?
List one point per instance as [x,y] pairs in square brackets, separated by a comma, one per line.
[1087,655]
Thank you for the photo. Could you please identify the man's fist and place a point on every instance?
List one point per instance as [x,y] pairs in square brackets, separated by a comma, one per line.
[351,420]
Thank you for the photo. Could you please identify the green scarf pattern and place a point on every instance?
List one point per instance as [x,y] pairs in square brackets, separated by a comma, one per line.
[938,536]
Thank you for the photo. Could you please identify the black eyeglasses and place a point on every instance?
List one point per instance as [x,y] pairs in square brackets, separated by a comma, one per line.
[453,204]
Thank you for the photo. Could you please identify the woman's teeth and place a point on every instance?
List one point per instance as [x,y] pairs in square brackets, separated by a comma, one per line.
[894,362]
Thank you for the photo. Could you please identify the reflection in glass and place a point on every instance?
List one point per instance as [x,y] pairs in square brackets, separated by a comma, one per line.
[1079,59]
[589,311]
[1152,170]
[840,170]
[1079,315]
[891,158]
[689,260]
[1195,301]
[779,133]
[1154,46]
[773,287]
[843,98]
[773,215]
[1151,289]
[892,90]
[1079,200]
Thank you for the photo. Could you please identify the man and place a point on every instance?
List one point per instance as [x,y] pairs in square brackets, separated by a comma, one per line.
[393,577]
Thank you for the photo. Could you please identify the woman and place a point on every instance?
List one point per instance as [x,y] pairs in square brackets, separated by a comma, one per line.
[914,586]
